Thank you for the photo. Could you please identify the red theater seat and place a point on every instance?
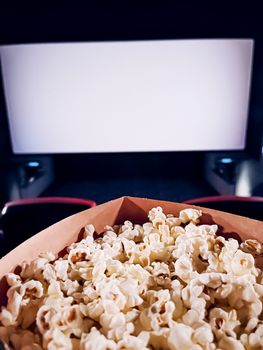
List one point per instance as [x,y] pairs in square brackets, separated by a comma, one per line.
[20,219]
[251,207]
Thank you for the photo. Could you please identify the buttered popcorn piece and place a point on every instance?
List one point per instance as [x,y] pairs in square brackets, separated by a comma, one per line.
[190,215]
[96,341]
[169,284]
[252,246]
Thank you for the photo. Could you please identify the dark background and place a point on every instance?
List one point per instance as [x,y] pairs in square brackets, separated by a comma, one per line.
[173,176]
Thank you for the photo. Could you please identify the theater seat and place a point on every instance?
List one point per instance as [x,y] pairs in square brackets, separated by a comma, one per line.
[251,207]
[20,219]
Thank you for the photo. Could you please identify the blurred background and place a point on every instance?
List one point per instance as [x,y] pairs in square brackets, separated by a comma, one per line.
[191,127]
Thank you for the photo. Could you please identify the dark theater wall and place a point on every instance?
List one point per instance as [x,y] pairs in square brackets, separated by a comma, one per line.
[43,21]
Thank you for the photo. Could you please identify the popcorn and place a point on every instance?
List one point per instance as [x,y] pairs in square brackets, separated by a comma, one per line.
[58,340]
[253,340]
[93,309]
[252,246]
[242,263]
[160,275]
[13,279]
[112,292]
[184,268]
[157,216]
[61,269]
[89,291]
[229,343]
[89,231]
[190,215]
[170,283]
[79,254]
[134,343]
[181,337]
[223,323]
[24,339]
[227,252]
[127,231]
[96,341]
[115,326]
[203,335]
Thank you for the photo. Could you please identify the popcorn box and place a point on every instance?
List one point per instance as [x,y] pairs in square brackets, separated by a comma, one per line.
[58,236]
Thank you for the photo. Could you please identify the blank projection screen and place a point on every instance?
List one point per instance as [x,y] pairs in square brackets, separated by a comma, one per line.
[160,95]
